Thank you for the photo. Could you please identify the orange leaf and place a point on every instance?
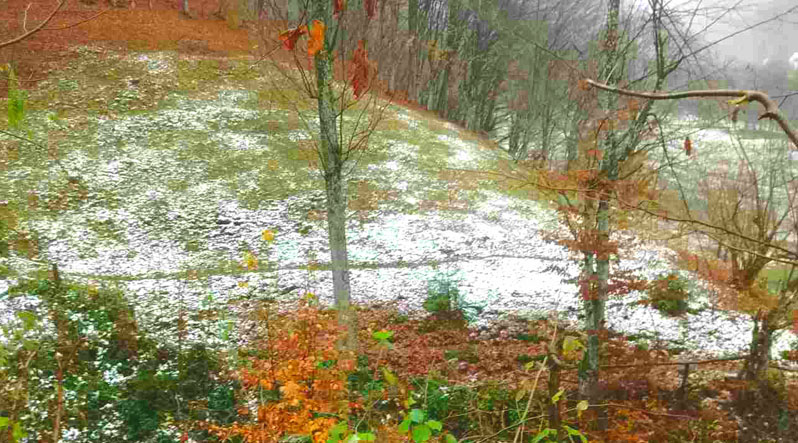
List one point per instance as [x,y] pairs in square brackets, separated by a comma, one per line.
[316,42]
[584,85]
[360,70]
[688,146]
[290,36]
[371,8]
[338,6]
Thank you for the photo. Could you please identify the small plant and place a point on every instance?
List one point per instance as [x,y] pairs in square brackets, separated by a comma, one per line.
[442,294]
[534,338]
[305,372]
[524,358]
[668,295]
[415,424]
[420,428]
[444,297]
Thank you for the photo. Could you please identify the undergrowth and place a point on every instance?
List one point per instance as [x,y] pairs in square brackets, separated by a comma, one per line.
[408,382]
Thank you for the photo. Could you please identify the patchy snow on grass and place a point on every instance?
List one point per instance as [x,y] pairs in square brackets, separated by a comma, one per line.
[167,195]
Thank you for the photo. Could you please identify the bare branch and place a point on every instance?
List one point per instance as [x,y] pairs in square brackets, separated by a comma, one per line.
[75,24]
[771,108]
[61,4]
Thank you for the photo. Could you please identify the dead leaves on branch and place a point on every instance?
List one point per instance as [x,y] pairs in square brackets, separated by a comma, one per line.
[732,292]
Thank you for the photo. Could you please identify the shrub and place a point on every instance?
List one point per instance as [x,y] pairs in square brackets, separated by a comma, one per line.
[668,295]
[306,374]
[442,294]
[444,297]
[79,336]
[118,383]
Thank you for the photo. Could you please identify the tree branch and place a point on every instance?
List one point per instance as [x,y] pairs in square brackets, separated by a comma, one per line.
[771,108]
[61,4]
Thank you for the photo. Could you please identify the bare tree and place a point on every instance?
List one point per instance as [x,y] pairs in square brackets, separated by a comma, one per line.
[332,37]
[746,218]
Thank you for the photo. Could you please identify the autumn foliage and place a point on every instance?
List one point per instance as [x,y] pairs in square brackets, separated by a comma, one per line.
[359,69]
[300,372]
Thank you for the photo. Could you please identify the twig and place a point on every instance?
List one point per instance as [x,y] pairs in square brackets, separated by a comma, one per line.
[25,18]
[75,24]
[61,4]
[660,414]
[771,108]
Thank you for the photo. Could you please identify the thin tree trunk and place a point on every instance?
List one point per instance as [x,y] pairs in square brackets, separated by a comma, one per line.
[59,406]
[596,300]
[555,421]
[332,156]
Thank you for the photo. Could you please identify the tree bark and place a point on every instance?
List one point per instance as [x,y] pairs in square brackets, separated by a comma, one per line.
[756,365]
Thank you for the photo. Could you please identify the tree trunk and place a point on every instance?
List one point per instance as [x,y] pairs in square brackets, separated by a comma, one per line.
[594,322]
[596,300]
[757,404]
[555,421]
[442,96]
[332,159]
[756,365]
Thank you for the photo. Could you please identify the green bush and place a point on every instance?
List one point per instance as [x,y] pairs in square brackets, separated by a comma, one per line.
[443,296]
[444,402]
[534,338]
[668,294]
[116,377]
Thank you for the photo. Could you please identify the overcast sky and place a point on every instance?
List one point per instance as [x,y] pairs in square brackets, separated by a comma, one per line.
[778,39]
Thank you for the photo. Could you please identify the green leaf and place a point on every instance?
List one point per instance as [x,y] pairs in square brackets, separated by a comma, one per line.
[3,422]
[338,430]
[572,431]
[16,102]
[28,319]
[434,425]
[404,426]
[740,101]
[543,434]
[389,377]
[366,436]
[557,396]
[383,335]
[450,438]
[18,433]
[571,344]
[417,415]
[421,433]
